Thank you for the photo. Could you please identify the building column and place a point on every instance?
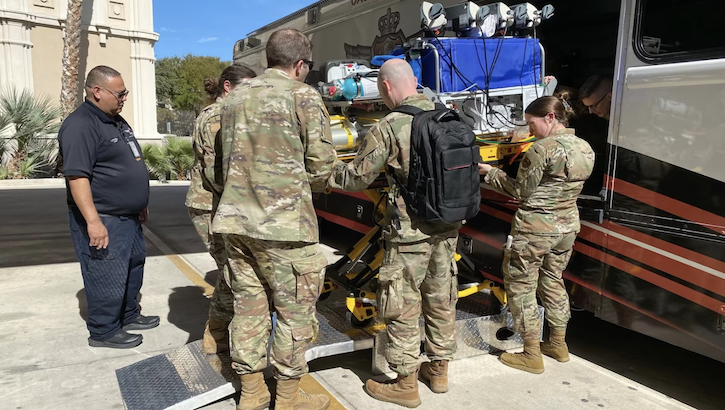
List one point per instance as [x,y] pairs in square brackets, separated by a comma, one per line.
[16,63]
[143,70]
[143,74]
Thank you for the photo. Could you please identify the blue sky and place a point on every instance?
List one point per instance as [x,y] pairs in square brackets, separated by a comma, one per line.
[211,27]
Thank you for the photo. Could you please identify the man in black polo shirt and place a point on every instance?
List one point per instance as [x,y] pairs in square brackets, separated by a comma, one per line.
[108,191]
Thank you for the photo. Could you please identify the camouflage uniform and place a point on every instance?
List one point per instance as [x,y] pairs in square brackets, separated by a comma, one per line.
[418,265]
[277,149]
[201,198]
[550,178]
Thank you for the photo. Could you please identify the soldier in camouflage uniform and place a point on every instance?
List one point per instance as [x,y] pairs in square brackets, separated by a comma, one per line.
[204,192]
[549,180]
[418,272]
[277,150]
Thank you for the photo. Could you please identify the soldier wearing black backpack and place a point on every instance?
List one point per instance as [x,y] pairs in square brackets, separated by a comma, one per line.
[427,201]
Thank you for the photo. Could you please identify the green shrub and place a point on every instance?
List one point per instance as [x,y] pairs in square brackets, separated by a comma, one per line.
[25,123]
[171,160]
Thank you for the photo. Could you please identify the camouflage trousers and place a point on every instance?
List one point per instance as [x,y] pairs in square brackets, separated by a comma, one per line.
[414,278]
[267,277]
[222,302]
[534,265]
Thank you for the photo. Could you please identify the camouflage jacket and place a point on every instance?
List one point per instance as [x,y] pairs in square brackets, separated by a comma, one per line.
[550,178]
[276,150]
[387,145]
[203,178]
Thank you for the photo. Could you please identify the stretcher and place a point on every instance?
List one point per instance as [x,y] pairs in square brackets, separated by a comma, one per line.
[357,270]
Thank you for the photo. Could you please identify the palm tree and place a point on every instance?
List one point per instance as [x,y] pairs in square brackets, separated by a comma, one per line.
[71,58]
[71,61]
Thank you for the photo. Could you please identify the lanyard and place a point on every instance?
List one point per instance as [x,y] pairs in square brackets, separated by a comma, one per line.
[127,135]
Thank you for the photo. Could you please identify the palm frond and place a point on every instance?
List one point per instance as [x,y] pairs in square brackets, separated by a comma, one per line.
[26,121]
[155,160]
[180,155]
[31,166]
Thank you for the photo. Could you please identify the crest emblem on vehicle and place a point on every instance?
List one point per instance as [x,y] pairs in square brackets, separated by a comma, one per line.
[389,38]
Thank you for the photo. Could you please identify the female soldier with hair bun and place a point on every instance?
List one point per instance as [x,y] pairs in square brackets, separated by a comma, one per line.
[204,192]
[549,180]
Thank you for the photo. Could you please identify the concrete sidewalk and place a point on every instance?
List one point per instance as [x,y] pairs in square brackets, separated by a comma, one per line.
[48,364]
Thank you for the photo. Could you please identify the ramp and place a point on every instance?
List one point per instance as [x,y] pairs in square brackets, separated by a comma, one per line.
[186,378]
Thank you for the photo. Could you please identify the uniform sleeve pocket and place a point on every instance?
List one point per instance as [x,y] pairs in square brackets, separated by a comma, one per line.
[390,292]
[309,275]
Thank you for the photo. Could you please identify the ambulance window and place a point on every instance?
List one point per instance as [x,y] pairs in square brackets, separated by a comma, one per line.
[679,30]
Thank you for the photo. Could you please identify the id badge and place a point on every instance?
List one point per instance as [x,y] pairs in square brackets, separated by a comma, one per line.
[127,135]
[134,150]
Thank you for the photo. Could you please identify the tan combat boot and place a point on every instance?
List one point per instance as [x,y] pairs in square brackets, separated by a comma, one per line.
[255,394]
[216,337]
[556,346]
[436,374]
[290,397]
[402,391]
[530,360]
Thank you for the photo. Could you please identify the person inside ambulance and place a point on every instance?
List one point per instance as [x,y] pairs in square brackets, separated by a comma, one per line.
[596,95]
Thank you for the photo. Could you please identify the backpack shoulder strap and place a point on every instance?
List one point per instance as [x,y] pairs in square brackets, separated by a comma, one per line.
[408,109]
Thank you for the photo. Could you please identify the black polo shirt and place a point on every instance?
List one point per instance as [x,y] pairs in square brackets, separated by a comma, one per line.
[104,150]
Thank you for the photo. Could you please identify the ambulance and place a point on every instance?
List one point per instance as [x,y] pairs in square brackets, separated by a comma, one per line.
[651,253]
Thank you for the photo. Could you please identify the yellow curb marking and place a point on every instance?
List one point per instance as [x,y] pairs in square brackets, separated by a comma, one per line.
[311,386]
[182,264]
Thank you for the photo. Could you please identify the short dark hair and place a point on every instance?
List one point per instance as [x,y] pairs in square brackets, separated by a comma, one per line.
[592,84]
[99,75]
[235,73]
[286,47]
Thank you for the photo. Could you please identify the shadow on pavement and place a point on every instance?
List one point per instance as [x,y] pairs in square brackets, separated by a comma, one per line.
[83,303]
[691,378]
[189,310]
[353,361]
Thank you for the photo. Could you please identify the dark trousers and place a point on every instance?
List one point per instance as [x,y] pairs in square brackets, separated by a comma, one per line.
[112,276]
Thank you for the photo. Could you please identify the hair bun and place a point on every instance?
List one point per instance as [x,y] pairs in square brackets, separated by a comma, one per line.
[566,97]
[211,86]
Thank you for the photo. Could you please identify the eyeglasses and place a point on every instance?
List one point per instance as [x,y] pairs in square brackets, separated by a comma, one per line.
[309,63]
[597,103]
[119,96]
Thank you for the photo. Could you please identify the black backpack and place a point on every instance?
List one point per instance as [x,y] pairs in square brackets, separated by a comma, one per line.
[443,181]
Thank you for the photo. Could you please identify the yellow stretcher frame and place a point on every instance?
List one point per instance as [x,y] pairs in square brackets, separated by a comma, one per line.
[359,302]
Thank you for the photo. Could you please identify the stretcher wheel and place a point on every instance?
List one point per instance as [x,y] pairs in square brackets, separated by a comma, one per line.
[327,288]
[365,310]
[360,323]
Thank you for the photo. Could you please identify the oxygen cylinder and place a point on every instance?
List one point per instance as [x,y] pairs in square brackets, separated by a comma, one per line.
[344,133]
[360,87]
